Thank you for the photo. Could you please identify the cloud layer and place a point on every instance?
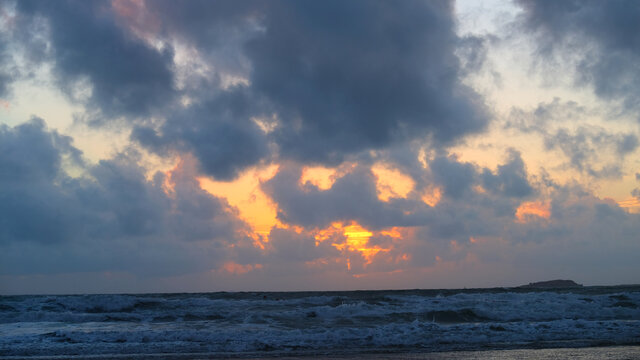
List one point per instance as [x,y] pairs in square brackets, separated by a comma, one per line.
[598,38]
[111,217]
[378,97]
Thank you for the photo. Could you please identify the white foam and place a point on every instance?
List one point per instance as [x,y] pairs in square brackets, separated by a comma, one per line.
[200,322]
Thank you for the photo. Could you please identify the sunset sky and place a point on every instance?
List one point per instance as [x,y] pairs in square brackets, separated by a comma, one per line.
[161,146]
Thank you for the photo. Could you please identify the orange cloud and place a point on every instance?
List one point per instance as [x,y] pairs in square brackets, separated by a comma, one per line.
[357,240]
[391,183]
[529,210]
[245,194]
[319,176]
[432,196]
[239,269]
[631,205]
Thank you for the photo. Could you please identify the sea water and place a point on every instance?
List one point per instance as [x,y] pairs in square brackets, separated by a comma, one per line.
[320,324]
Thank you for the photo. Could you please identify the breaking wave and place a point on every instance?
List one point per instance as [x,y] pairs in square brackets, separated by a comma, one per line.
[316,321]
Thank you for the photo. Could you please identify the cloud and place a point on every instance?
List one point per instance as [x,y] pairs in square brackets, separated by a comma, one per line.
[455,177]
[476,222]
[545,115]
[599,38]
[287,245]
[30,161]
[564,126]
[218,132]
[511,178]
[94,59]
[114,218]
[5,69]
[333,79]
[586,145]
[346,77]
[111,218]
[354,196]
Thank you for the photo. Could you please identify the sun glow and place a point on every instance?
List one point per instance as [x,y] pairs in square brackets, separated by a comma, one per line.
[245,194]
[357,240]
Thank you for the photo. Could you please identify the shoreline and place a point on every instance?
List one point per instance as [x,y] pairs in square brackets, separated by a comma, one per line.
[581,352]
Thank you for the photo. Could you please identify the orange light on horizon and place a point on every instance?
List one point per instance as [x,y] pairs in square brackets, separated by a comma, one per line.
[527,210]
[239,269]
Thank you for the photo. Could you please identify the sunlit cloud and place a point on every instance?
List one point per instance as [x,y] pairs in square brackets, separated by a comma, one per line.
[245,195]
[528,210]
[391,183]
[631,205]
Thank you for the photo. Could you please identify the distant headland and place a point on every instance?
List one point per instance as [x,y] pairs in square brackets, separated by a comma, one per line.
[551,284]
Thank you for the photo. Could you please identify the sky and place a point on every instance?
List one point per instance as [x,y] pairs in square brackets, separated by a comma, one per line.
[164,146]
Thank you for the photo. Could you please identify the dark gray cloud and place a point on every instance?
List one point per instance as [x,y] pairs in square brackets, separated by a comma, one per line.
[84,42]
[336,78]
[5,58]
[456,178]
[217,29]
[511,178]
[604,36]
[287,245]
[354,197]
[218,132]
[341,78]
[110,219]
[5,72]
[30,161]
[349,76]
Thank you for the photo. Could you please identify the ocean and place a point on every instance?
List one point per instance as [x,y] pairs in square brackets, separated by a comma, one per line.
[407,324]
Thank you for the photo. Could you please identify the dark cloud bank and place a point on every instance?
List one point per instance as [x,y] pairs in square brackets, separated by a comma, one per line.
[109,218]
[127,77]
[341,77]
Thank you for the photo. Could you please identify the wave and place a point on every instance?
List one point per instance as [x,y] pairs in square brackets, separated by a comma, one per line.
[264,322]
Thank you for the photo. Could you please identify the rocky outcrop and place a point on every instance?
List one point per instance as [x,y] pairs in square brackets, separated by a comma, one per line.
[551,284]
